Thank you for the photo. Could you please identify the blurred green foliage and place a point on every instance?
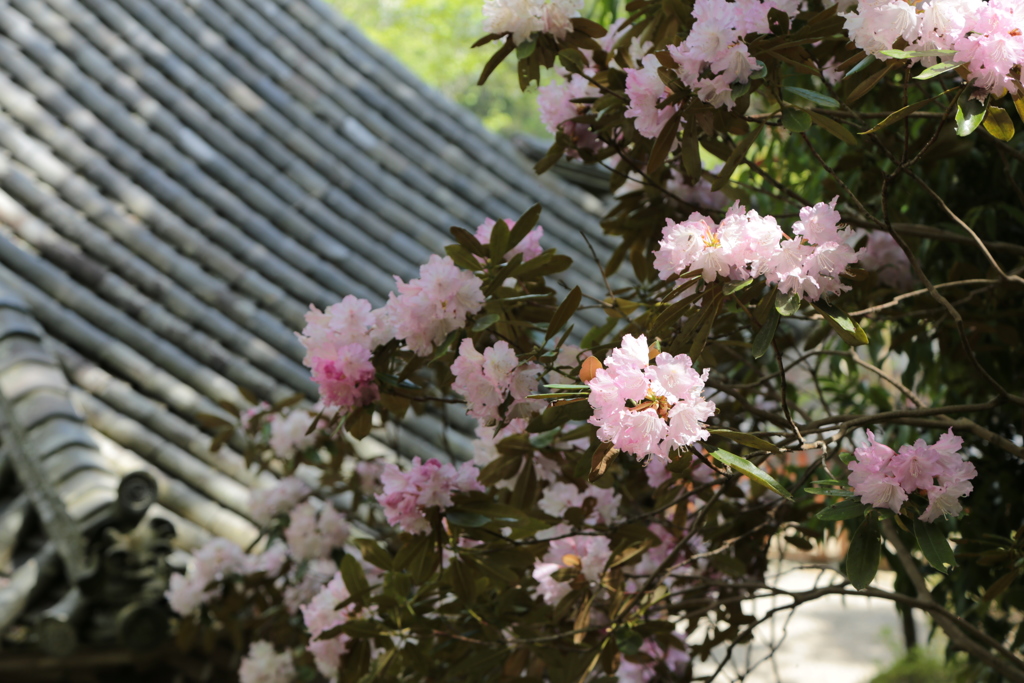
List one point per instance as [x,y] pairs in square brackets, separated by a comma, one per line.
[432,38]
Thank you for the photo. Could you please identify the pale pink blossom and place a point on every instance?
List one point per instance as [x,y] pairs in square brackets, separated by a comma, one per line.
[266,504]
[216,561]
[668,408]
[313,533]
[314,574]
[557,109]
[590,554]
[522,18]
[672,658]
[322,614]
[426,309]
[486,379]
[559,496]
[407,495]
[264,664]
[884,478]
[645,90]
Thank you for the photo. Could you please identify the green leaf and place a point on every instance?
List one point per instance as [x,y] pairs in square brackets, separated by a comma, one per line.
[564,311]
[373,553]
[355,579]
[812,96]
[795,120]
[870,82]
[462,258]
[524,224]
[847,509]
[499,242]
[663,144]
[998,124]
[597,334]
[969,115]
[904,54]
[833,127]
[903,113]
[860,66]
[464,518]
[835,493]
[751,470]
[734,286]
[572,59]
[485,321]
[496,59]
[937,70]
[932,541]
[847,329]
[863,555]
[788,305]
[748,440]
[764,336]
[525,49]
[468,240]
[735,157]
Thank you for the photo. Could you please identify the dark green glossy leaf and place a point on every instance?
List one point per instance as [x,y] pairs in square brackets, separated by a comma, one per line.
[812,96]
[748,440]
[969,115]
[564,311]
[863,555]
[795,120]
[932,541]
[847,509]
[751,470]
[847,329]
[764,336]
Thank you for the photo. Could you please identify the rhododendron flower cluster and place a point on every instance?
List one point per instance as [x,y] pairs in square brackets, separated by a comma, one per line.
[883,254]
[523,18]
[314,533]
[320,615]
[426,309]
[286,494]
[885,478]
[648,409]
[407,495]
[215,561]
[264,664]
[339,343]
[711,60]
[487,379]
[986,37]
[645,91]
[529,247]
[674,659]
[340,340]
[557,108]
[588,554]
[560,496]
[745,245]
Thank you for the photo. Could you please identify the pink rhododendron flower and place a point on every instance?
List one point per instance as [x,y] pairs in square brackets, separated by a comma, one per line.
[215,561]
[883,254]
[522,18]
[314,533]
[266,504]
[487,379]
[985,36]
[560,496]
[408,494]
[648,409]
[673,658]
[645,90]
[747,245]
[557,108]
[322,614]
[264,664]
[288,433]
[884,478]
[589,553]
[426,309]
[339,345]
[299,591]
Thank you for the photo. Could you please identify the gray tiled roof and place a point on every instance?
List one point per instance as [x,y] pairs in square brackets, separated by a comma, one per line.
[178,182]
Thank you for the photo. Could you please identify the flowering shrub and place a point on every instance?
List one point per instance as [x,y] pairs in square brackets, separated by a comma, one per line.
[760,375]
